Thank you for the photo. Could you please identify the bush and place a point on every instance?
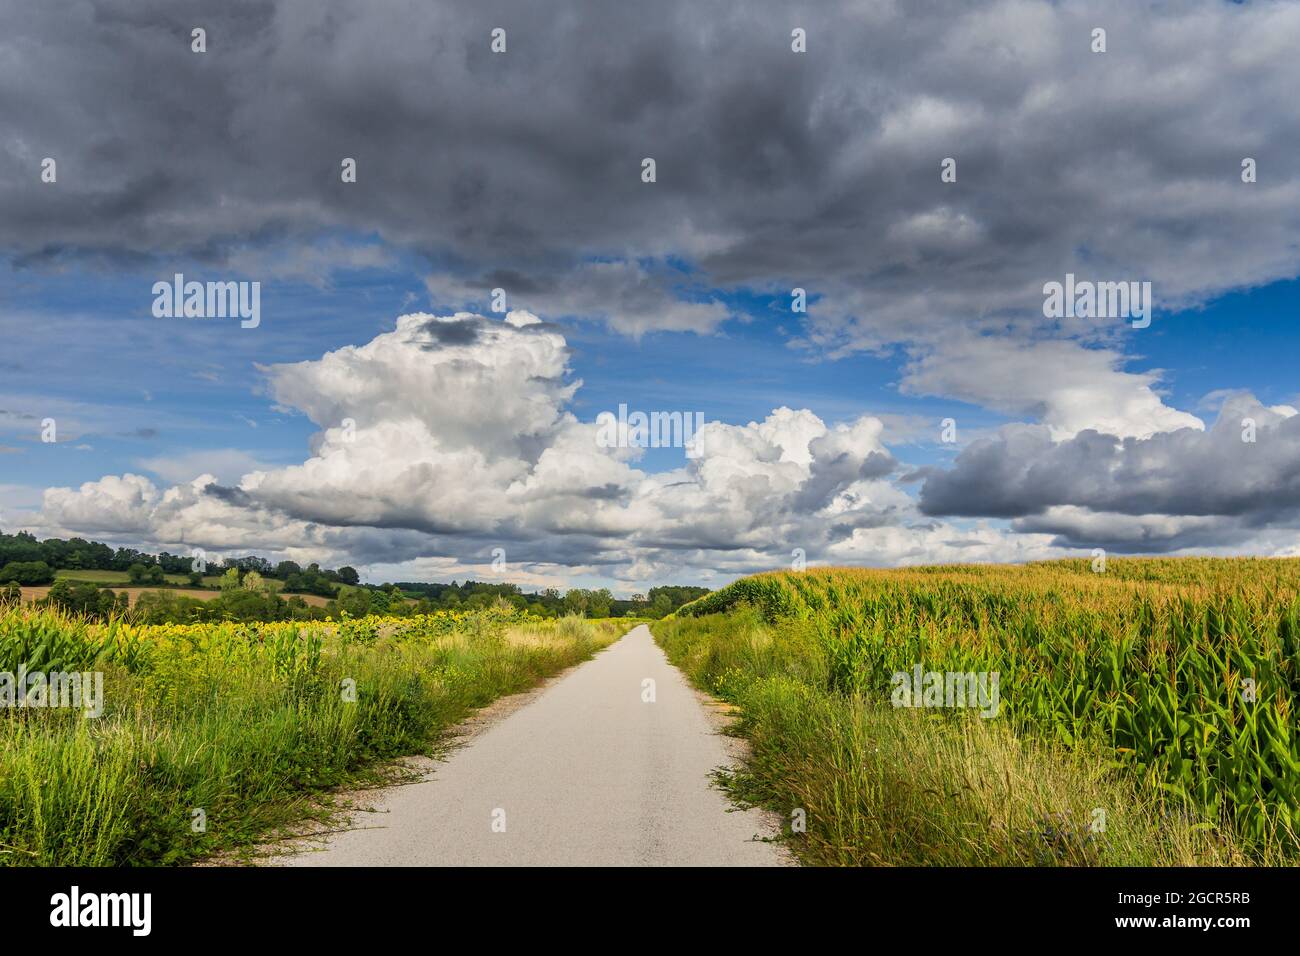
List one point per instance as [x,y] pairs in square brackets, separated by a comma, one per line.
[146,574]
[28,573]
[86,599]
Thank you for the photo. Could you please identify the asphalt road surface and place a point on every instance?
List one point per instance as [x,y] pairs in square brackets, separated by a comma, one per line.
[587,773]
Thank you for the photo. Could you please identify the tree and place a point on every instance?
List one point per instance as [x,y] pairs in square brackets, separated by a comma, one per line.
[577,600]
[355,602]
[242,605]
[349,575]
[253,581]
[60,594]
[125,557]
[168,607]
[299,610]
[19,547]
[664,600]
[230,581]
[30,573]
[286,568]
[308,582]
[598,604]
[113,605]
[86,599]
[252,563]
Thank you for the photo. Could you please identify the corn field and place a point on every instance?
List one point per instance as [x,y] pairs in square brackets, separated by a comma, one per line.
[1187,671]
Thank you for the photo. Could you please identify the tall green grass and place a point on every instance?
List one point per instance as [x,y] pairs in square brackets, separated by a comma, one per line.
[244,722]
[1143,668]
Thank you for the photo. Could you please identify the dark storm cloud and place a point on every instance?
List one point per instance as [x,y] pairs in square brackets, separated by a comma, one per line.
[1122,534]
[819,168]
[1083,486]
[233,496]
[453,332]
[830,476]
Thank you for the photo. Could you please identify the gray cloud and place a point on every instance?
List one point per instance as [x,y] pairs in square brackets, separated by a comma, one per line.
[458,332]
[1182,488]
[774,168]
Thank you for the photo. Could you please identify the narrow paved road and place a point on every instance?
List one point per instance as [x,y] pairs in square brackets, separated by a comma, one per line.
[588,773]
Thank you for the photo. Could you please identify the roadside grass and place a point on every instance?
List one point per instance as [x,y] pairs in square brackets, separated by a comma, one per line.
[880,786]
[249,724]
[1155,655]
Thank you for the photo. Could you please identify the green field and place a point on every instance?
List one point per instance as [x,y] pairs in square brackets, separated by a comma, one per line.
[247,723]
[1147,714]
[124,579]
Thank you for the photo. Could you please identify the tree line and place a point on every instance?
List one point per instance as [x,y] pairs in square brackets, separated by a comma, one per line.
[247,595]
[29,562]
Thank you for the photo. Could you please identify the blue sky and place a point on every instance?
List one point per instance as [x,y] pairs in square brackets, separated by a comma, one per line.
[176,391]
[776,168]
[209,395]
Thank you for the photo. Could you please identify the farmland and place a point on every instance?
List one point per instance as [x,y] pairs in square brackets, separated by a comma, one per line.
[97,576]
[133,593]
[1147,713]
[213,736]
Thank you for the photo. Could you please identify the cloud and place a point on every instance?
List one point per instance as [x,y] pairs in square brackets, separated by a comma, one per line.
[775,169]
[818,170]
[1067,387]
[1182,488]
[450,435]
[225,464]
[120,505]
[631,297]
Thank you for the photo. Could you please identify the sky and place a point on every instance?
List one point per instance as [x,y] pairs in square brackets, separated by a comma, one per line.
[921,171]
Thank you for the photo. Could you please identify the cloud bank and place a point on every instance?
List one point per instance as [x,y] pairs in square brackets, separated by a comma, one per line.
[453,435]
[775,170]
